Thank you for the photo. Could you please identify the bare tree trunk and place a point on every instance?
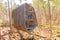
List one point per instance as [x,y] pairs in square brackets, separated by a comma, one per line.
[49,7]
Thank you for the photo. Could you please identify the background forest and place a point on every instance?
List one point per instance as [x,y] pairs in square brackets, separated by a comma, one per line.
[47,12]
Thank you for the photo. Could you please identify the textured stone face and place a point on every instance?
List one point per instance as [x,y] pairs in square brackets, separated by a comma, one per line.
[24,17]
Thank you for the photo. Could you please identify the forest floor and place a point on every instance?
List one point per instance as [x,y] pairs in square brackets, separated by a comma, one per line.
[4,32]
